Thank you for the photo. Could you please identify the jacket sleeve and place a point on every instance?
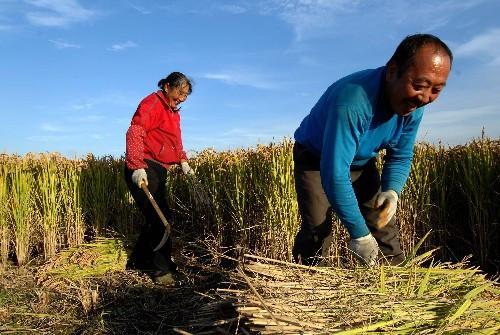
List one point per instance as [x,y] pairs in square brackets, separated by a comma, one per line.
[182,153]
[141,121]
[134,155]
[343,131]
[397,162]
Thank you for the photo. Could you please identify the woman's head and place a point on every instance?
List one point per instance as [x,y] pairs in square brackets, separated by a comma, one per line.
[176,87]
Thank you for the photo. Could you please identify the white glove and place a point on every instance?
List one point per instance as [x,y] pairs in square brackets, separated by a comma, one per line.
[386,204]
[365,249]
[186,168]
[139,176]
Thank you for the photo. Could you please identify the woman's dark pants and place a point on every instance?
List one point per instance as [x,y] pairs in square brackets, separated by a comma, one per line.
[143,257]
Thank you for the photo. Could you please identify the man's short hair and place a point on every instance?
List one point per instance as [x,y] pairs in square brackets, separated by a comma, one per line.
[408,47]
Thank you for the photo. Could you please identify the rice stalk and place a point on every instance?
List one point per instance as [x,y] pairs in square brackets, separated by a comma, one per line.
[126,217]
[21,206]
[71,190]
[281,213]
[383,287]
[51,206]
[4,218]
[87,260]
[292,298]
[478,185]
[424,283]
[97,191]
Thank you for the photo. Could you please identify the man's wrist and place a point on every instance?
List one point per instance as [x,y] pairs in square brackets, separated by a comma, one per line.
[363,238]
[360,230]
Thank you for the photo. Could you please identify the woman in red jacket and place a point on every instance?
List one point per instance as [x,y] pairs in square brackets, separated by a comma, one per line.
[153,144]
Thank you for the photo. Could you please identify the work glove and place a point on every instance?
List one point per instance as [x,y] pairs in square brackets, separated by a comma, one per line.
[382,208]
[186,168]
[365,249]
[386,204]
[138,176]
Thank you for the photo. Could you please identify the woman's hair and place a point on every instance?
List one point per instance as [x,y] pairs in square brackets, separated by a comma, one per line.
[406,50]
[176,79]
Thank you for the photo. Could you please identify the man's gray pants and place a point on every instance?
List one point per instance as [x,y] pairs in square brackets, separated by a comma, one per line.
[316,211]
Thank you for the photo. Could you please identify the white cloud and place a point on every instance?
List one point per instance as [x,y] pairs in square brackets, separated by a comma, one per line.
[82,106]
[429,14]
[140,9]
[64,45]
[245,132]
[123,46]
[88,118]
[58,13]
[469,115]
[240,77]
[233,9]
[47,138]
[113,99]
[308,61]
[459,126]
[231,137]
[96,136]
[4,27]
[308,16]
[486,44]
[51,127]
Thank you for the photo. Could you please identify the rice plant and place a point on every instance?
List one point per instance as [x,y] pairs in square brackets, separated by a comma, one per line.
[97,189]
[477,191]
[71,190]
[247,198]
[50,205]
[281,212]
[4,220]
[22,210]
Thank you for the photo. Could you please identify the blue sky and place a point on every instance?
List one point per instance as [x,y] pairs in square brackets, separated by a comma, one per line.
[73,71]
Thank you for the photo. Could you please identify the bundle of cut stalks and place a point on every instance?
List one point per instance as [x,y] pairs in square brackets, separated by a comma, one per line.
[88,260]
[275,297]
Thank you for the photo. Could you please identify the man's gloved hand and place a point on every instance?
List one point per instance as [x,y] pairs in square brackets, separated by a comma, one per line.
[365,249]
[138,176]
[186,168]
[386,204]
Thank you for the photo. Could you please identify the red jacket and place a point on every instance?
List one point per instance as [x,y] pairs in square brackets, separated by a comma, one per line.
[154,133]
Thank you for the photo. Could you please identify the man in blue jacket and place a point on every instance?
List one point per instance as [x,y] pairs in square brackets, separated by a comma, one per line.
[336,146]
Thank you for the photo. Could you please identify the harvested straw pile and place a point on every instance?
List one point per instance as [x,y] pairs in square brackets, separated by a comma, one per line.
[88,260]
[275,297]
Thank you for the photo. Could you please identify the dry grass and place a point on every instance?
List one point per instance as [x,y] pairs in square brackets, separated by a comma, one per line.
[276,297]
[86,291]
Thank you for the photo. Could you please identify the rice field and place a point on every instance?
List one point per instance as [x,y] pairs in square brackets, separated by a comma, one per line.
[59,213]
[245,198]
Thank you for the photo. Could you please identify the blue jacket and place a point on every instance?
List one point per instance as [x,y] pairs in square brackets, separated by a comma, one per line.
[348,126]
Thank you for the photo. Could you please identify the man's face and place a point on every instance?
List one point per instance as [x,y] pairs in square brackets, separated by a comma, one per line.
[421,83]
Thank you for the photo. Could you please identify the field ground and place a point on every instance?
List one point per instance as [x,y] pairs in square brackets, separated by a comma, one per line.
[117,302]
[86,291]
